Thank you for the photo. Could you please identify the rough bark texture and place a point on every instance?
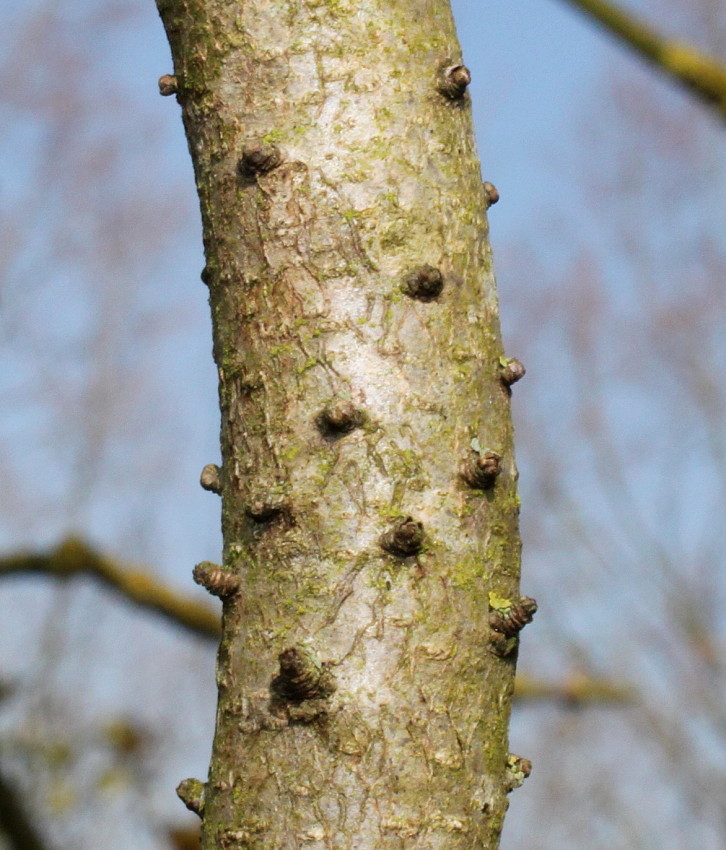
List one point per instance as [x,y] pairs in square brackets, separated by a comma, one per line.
[361,700]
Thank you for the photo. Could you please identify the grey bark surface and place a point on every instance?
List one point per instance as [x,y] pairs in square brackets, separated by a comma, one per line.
[362,703]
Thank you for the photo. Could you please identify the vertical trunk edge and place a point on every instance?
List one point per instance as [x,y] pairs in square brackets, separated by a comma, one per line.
[369,503]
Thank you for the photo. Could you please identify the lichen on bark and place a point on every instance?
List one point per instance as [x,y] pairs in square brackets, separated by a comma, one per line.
[375,176]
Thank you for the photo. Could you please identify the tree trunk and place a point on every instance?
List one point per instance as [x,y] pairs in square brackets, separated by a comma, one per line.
[369,503]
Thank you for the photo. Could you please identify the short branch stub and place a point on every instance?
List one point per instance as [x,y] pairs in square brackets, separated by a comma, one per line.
[453,81]
[491,193]
[259,158]
[218,581]
[338,418]
[405,538]
[210,478]
[510,621]
[480,471]
[423,283]
[191,793]
[302,676]
[512,370]
[517,770]
[265,510]
[168,85]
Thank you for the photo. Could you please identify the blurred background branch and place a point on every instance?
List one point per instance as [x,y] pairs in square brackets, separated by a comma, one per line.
[704,75]
[16,822]
[74,557]
[577,691]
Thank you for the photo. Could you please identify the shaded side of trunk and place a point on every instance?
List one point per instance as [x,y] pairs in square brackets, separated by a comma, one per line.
[361,702]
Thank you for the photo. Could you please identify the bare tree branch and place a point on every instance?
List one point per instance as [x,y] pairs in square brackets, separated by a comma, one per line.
[576,691]
[702,74]
[74,557]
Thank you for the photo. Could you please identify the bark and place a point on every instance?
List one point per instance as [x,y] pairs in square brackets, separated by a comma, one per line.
[368,484]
